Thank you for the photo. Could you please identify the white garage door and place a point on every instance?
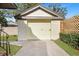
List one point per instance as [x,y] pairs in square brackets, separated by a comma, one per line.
[39,29]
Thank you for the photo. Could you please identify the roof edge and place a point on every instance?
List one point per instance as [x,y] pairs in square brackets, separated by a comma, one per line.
[36,7]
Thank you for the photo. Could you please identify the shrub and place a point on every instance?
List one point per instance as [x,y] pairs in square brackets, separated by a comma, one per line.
[71,39]
[65,37]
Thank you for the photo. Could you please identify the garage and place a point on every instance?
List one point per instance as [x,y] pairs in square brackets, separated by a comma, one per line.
[38,23]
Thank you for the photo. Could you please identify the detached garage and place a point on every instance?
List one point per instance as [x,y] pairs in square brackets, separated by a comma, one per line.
[38,23]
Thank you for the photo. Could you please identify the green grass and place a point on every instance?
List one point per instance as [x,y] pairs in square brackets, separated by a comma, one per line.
[11,38]
[13,49]
[71,51]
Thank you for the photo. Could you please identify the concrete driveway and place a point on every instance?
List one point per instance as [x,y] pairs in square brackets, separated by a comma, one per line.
[41,48]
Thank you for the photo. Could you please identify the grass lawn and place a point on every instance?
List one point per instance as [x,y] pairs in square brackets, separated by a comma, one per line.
[71,51]
[11,38]
[13,48]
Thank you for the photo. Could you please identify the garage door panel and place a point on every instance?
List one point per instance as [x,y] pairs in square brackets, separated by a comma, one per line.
[40,29]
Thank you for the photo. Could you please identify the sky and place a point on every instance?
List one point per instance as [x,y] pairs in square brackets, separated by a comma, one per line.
[73,8]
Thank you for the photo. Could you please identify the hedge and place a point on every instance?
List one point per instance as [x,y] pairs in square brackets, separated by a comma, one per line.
[70,39]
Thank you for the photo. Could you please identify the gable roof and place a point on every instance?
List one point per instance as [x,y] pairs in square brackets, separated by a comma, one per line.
[30,10]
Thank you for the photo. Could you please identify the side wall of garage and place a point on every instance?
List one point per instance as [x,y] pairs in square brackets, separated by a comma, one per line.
[22,27]
[55,29]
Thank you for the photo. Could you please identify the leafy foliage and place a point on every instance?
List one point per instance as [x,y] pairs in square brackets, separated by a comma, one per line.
[9,13]
[24,6]
[3,21]
[70,39]
[57,8]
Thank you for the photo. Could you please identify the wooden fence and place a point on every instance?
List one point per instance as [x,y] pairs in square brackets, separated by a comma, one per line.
[70,25]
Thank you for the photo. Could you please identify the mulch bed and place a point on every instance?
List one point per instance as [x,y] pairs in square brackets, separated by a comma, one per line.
[2,53]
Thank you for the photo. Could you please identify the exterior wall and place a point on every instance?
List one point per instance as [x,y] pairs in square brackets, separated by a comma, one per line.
[22,27]
[39,12]
[55,29]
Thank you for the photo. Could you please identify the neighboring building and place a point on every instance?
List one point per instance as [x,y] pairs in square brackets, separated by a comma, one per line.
[38,23]
[11,21]
[12,24]
[9,30]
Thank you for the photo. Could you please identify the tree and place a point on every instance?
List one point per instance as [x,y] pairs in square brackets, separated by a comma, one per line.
[9,13]
[3,21]
[20,7]
[24,6]
[57,8]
